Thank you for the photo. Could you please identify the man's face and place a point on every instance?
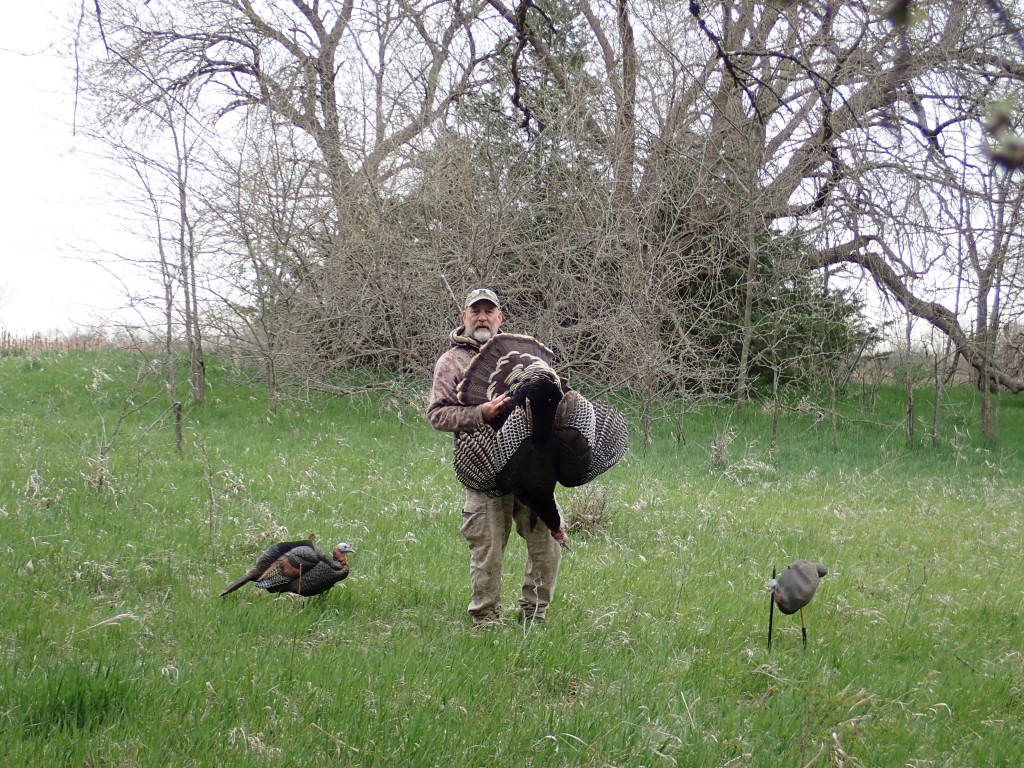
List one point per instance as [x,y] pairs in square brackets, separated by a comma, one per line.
[482,320]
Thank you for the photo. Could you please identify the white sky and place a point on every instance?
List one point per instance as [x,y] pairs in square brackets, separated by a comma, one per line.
[56,209]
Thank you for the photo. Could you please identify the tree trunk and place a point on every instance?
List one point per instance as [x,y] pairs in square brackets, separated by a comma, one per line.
[939,392]
[910,382]
[748,331]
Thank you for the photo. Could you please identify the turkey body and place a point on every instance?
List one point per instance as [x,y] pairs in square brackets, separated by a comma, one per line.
[301,567]
[548,434]
[797,585]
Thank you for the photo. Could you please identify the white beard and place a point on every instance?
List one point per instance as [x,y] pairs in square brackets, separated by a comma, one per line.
[482,334]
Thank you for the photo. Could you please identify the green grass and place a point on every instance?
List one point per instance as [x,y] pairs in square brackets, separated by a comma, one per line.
[117,650]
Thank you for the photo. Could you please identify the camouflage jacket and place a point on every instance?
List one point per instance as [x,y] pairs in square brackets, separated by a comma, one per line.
[444,412]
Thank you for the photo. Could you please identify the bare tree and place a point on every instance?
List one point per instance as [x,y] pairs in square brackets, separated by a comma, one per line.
[826,103]
[261,203]
[670,193]
[159,139]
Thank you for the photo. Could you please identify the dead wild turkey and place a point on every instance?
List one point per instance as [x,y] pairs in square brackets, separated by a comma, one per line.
[547,434]
[302,567]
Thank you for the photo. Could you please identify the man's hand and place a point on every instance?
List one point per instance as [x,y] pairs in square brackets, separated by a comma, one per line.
[493,408]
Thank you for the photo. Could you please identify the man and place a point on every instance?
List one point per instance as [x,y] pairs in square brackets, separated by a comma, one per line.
[487,522]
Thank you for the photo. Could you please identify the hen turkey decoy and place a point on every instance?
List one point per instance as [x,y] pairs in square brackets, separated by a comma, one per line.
[793,590]
[301,567]
[547,433]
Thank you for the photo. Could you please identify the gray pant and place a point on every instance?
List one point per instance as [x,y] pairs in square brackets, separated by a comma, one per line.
[486,524]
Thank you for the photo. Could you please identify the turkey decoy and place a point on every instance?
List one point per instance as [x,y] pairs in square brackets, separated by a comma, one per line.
[301,567]
[547,433]
[792,591]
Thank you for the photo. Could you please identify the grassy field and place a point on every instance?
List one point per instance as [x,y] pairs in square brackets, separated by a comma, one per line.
[117,650]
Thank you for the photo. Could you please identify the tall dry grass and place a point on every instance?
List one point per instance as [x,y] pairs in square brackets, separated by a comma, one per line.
[56,341]
[118,650]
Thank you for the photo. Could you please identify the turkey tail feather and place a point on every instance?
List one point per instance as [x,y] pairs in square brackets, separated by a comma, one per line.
[235,585]
[501,364]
